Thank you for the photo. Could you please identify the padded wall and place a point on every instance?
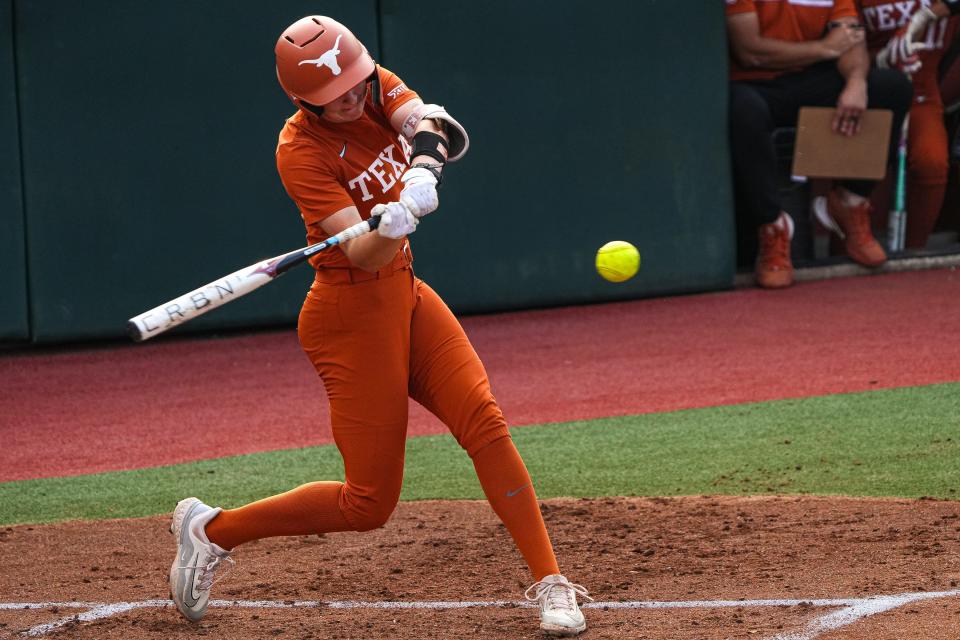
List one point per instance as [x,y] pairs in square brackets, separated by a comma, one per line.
[589,121]
[148,134]
[14,325]
[149,131]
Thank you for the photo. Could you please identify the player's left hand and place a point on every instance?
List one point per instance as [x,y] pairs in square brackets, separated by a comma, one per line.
[396,221]
[419,191]
[850,106]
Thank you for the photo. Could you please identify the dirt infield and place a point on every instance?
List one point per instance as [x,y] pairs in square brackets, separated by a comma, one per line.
[698,568]
[785,568]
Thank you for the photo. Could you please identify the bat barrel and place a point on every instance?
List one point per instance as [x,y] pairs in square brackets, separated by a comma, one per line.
[133,330]
[199,301]
[239,283]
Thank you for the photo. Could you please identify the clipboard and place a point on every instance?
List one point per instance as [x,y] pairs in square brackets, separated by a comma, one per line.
[819,152]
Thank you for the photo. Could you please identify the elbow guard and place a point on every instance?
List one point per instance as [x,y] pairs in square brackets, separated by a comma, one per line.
[459,141]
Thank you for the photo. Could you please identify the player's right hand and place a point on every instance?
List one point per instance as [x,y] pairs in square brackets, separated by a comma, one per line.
[396,221]
[419,191]
[843,37]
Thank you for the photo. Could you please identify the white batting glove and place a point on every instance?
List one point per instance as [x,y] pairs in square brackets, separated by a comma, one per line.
[919,22]
[419,191]
[396,221]
[901,53]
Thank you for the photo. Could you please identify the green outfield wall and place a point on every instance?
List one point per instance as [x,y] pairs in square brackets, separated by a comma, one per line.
[589,122]
[14,320]
[148,133]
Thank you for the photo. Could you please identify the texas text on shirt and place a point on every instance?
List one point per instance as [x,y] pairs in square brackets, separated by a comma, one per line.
[323,173]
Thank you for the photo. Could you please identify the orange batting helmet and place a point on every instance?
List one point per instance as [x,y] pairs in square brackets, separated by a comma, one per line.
[319,60]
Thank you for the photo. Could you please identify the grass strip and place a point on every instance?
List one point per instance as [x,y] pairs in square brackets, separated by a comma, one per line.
[897,442]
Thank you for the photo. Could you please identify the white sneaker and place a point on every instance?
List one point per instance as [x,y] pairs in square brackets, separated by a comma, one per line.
[191,574]
[559,613]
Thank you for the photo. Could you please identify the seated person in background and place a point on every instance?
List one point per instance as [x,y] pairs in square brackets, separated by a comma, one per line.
[913,37]
[786,55]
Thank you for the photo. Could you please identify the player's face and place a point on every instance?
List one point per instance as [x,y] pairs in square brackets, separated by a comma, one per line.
[347,107]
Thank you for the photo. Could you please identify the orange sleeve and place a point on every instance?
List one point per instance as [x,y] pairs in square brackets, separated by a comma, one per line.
[844,9]
[311,182]
[394,92]
[740,6]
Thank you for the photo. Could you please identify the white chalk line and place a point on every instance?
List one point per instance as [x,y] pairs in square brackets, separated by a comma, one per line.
[853,609]
[858,611]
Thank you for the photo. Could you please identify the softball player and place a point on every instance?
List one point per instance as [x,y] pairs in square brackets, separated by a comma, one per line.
[375,333]
[913,36]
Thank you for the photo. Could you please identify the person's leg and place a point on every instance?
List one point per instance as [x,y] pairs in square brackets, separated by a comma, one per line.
[752,152]
[447,377]
[886,89]
[818,85]
[357,337]
[365,373]
[509,490]
[928,165]
[846,209]
[755,182]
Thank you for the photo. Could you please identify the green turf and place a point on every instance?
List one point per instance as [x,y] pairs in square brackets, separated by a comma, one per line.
[899,442]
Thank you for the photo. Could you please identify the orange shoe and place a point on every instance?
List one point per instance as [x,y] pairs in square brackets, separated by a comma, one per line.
[774,269]
[852,224]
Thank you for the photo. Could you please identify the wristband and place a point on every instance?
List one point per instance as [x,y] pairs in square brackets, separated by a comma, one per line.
[432,168]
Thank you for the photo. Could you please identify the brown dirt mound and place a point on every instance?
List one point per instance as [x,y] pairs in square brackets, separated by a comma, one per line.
[623,550]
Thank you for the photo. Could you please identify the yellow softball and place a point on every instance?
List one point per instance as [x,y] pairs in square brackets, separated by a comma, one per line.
[618,261]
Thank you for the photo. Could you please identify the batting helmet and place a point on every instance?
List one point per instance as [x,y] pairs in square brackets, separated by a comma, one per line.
[319,60]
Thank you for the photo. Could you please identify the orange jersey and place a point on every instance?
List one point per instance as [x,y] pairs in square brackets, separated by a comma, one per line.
[326,167]
[791,20]
[884,17]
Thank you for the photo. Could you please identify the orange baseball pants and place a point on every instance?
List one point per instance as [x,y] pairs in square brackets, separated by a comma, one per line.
[374,344]
[927,160]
